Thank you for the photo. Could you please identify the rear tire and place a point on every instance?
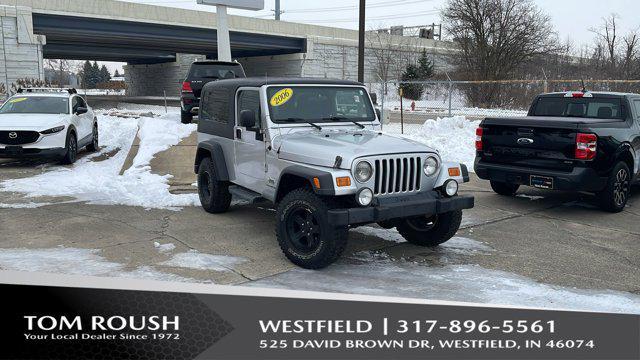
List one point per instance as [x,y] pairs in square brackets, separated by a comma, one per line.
[94,146]
[71,150]
[432,231]
[304,233]
[616,194]
[504,189]
[185,117]
[214,194]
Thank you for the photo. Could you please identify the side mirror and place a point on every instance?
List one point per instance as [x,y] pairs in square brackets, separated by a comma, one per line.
[81,110]
[374,98]
[379,114]
[248,119]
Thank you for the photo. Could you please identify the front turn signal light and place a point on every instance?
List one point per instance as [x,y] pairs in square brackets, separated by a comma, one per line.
[343,181]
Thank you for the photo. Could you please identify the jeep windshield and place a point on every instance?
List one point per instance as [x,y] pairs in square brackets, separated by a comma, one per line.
[583,107]
[305,104]
[36,105]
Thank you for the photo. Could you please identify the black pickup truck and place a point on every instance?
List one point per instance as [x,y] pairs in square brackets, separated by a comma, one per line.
[576,141]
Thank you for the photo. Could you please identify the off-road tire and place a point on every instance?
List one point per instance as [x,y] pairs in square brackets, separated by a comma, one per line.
[444,227]
[615,195]
[328,242]
[214,194]
[504,189]
[185,117]
[71,146]
[94,145]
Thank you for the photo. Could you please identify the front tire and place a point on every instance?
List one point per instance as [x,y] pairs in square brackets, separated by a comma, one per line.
[71,150]
[214,194]
[94,146]
[504,189]
[616,194]
[430,231]
[185,117]
[304,233]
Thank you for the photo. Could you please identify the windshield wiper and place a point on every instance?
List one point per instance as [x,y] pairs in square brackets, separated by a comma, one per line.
[292,119]
[342,118]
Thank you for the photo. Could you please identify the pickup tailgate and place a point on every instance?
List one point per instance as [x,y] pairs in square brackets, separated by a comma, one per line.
[534,142]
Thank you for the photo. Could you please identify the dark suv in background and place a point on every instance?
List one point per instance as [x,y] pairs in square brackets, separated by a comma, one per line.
[200,73]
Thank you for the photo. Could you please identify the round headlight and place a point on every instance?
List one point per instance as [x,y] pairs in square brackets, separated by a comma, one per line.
[364,197]
[451,188]
[363,171]
[430,166]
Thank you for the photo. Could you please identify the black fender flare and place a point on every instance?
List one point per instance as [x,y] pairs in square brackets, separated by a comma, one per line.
[622,151]
[325,179]
[213,149]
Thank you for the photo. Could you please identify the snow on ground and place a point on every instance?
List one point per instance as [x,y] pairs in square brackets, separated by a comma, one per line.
[195,260]
[99,182]
[373,274]
[29,205]
[74,261]
[163,248]
[453,137]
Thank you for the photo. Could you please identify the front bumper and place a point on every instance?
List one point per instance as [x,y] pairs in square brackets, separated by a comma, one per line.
[16,152]
[579,179]
[428,203]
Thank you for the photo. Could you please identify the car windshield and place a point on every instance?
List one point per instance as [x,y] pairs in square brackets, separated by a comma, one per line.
[212,71]
[36,105]
[319,104]
[599,108]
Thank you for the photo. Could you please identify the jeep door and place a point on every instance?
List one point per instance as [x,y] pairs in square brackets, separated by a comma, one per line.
[249,145]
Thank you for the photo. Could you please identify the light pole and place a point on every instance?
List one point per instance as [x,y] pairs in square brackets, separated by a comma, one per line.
[278,12]
[361,39]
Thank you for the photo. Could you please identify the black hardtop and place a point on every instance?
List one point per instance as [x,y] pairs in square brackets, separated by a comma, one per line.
[262,80]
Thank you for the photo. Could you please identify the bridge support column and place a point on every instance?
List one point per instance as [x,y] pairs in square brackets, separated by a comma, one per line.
[20,48]
[155,79]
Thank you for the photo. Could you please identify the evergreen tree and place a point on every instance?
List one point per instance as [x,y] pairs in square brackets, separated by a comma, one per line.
[105,75]
[86,74]
[423,70]
[95,74]
[117,74]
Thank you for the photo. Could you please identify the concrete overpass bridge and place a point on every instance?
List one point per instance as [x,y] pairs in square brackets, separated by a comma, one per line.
[159,43]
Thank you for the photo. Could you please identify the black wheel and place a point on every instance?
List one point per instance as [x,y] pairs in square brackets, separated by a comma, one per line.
[430,231]
[94,146]
[616,194]
[186,117]
[71,149]
[304,233]
[214,194]
[505,189]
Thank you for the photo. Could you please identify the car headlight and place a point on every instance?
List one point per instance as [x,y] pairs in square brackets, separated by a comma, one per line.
[364,197]
[363,171]
[430,166]
[54,130]
[451,188]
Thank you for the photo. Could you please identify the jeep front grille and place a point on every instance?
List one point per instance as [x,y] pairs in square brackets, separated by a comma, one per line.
[397,175]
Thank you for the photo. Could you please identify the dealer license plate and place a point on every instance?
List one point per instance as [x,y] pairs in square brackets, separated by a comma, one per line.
[542,182]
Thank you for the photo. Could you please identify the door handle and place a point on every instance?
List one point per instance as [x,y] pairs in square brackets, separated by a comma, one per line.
[239,134]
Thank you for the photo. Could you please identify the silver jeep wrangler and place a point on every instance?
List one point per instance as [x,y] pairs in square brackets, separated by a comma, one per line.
[314,148]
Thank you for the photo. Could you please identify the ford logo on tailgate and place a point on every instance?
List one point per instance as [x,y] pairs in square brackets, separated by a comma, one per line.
[525,141]
[13,135]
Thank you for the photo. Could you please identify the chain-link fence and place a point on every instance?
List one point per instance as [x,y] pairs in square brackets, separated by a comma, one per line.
[475,100]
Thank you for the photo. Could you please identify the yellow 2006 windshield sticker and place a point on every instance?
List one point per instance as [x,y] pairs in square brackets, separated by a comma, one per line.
[281,97]
[17,100]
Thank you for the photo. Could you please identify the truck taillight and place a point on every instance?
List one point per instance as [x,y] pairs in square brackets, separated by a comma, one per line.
[479,132]
[186,87]
[586,146]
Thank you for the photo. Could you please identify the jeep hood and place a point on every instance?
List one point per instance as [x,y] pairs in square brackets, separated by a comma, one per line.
[321,148]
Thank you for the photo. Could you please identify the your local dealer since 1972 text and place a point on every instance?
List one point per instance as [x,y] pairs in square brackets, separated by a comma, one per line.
[416,334]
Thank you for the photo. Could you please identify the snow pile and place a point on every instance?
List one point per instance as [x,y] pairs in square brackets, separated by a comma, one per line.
[195,260]
[163,248]
[379,275]
[453,137]
[99,182]
[73,261]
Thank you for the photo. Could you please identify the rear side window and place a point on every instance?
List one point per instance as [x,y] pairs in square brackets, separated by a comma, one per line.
[600,108]
[215,72]
[215,106]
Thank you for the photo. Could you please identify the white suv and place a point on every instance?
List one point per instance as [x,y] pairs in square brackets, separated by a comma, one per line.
[47,123]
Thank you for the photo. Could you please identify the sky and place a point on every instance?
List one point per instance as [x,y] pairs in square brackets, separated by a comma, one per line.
[571,18]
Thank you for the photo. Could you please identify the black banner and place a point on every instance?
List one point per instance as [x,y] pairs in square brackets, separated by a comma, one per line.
[41,322]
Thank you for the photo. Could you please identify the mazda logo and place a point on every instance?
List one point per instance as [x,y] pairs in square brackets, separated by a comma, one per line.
[13,135]
[525,141]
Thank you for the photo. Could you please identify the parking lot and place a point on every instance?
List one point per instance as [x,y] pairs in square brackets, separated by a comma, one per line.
[538,249]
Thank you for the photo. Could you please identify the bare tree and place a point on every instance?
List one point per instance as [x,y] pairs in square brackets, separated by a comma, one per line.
[389,55]
[607,39]
[496,38]
[61,69]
